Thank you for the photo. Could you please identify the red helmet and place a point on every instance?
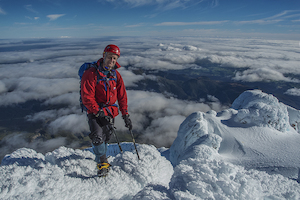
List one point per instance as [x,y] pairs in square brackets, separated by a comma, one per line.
[113,49]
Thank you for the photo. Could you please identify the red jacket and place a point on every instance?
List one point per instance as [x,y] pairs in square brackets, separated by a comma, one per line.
[104,93]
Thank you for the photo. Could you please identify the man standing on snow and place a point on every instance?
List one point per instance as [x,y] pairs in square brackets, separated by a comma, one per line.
[101,87]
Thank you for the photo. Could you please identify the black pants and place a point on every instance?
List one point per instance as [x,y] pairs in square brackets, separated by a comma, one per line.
[101,129]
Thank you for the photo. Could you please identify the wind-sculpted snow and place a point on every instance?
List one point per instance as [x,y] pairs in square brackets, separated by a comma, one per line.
[195,130]
[215,154]
[294,118]
[212,178]
[70,174]
[261,109]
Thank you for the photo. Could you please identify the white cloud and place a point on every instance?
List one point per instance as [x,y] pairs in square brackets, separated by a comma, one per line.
[284,15]
[164,5]
[74,123]
[262,74]
[166,114]
[163,131]
[2,87]
[46,70]
[15,141]
[129,77]
[70,98]
[2,12]
[293,92]
[259,21]
[31,9]
[43,116]
[190,23]
[28,88]
[55,16]
[134,25]
[137,3]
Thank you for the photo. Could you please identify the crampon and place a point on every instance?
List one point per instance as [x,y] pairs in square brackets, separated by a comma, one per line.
[103,169]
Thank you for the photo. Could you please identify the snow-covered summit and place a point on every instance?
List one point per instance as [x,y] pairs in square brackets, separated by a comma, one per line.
[261,109]
[250,151]
[257,132]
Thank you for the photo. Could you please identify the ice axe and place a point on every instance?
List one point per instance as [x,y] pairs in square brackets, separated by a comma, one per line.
[137,153]
[114,132]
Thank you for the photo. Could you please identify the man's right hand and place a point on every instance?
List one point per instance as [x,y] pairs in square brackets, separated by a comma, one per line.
[102,117]
[100,114]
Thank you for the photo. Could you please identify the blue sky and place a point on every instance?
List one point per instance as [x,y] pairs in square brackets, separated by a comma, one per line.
[98,18]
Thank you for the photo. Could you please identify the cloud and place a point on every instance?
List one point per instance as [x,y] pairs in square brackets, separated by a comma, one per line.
[284,15]
[191,23]
[46,70]
[76,124]
[137,3]
[259,21]
[149,63]
[28,88]
[2,12]
[69,98]
[31,9]
[2,87]
[55,16]
[164,5]
[163,115]
[130,79]
[134,25]
[15,141]
[293,92]
[262,74]
[163,131]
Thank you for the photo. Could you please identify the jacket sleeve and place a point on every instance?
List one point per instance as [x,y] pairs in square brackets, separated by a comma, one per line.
[122,95]
[88,84]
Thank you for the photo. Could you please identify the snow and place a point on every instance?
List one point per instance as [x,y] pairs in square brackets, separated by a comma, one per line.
[250,151]
[70,174]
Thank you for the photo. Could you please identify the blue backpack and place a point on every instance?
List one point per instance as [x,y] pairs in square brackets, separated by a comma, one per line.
[81,71]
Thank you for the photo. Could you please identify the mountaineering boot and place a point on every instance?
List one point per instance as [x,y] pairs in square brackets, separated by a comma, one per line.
[103,169]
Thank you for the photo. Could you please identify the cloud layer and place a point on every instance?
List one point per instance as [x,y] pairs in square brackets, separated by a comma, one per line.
[46,70]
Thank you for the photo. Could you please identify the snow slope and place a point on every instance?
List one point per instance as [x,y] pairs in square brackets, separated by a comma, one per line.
[250,151]
[70,174]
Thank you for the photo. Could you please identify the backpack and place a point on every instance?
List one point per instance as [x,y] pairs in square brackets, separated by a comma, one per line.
[81,71]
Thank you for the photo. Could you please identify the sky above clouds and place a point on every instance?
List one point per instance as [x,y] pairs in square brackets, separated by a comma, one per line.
[96,18]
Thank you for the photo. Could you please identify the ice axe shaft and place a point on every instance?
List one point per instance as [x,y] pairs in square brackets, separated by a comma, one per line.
[117,140]
[137,153]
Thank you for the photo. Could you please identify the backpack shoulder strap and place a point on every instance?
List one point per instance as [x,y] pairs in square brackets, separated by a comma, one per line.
[114,74]
[99,77]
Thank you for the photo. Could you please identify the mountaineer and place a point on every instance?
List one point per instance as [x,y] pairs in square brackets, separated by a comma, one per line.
[101,86]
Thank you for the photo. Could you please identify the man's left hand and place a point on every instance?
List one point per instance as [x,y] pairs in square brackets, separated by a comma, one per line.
[127,121]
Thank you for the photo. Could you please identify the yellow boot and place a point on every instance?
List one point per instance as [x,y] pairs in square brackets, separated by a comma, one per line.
[103,169]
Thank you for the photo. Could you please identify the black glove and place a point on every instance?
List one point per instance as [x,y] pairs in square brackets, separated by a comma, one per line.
[103,119]
[100,114]
[127,121]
